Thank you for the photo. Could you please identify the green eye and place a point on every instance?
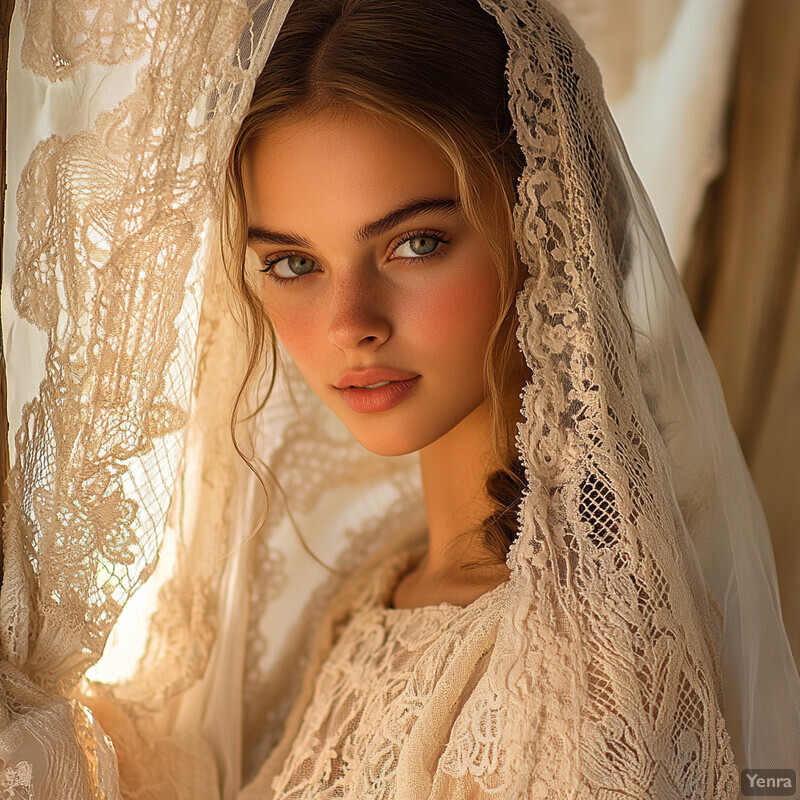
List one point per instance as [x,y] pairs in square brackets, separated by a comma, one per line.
[297,267]
[418,246]
[423,245]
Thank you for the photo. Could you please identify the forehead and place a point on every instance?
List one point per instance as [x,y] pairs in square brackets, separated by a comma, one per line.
[339,169]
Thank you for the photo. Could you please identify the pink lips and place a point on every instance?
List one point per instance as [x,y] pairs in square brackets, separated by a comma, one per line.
[368,401]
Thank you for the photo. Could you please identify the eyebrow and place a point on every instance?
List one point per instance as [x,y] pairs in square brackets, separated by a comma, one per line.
[448,205]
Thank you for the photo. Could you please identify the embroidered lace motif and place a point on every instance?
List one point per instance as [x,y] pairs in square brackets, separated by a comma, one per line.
[383,685]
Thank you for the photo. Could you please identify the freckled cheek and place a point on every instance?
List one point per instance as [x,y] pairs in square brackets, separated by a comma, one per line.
[454,318]
[299,332]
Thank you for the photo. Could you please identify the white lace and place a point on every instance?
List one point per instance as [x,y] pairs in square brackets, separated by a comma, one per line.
[388,678]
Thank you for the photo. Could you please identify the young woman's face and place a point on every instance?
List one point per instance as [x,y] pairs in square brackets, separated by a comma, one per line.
[372,271]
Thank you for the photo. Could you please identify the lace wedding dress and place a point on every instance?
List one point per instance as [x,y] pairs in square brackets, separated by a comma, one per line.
[382,696]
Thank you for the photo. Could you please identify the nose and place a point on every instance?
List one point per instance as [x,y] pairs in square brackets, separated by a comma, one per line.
[358,311]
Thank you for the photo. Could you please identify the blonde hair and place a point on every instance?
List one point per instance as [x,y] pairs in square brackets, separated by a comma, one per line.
[439,69]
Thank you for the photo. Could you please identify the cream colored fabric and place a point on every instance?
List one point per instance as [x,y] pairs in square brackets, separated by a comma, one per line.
[640,532]
[123,115]
[744,277]
[388,685]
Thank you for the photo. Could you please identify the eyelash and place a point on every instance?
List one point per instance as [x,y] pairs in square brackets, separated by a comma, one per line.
[440,237]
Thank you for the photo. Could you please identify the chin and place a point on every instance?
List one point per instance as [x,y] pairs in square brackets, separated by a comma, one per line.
[386,439]
[388,445]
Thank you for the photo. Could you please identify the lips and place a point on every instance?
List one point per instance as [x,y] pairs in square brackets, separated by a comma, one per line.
[371,375]
[381,398]
[394,387]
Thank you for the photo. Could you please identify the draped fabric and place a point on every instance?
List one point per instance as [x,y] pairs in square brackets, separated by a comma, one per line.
[5,25]
[641,641]
[749,316]
[123,118]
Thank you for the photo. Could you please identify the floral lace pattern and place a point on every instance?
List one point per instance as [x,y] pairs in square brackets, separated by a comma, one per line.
[383,683]
[114,224]
[611,586]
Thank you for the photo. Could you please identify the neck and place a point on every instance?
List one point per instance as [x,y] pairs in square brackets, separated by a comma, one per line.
[454,470]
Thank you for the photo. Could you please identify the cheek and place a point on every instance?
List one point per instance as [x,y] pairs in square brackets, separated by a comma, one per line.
[298,332]
[456,316]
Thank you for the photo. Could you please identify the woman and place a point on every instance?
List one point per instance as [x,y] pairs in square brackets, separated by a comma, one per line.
[582,603]
[553,634]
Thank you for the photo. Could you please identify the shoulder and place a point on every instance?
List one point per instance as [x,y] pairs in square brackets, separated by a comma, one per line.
[373,583]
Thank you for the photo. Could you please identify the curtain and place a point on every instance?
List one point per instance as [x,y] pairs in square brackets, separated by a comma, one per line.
[743,276]
[5,24]
[123,117]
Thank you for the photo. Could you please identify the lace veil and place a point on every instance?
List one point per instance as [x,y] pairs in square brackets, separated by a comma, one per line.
[155,619]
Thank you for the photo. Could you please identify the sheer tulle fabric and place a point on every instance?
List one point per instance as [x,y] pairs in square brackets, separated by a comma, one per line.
[638,647]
